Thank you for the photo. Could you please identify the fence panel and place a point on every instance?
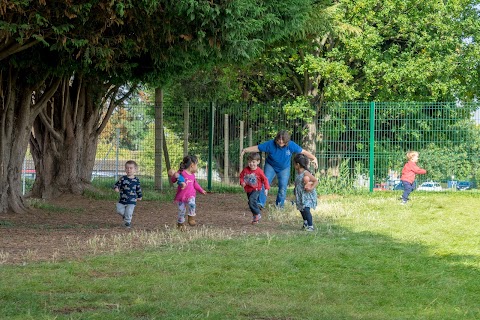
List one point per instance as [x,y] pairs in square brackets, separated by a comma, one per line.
[446,135]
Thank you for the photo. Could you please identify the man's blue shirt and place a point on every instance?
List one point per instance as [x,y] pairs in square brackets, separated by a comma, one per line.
[279,157]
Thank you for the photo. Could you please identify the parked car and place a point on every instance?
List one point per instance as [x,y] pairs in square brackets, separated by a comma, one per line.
[430,186]
[380,187]
[464,185]
[103,174]
[29,173]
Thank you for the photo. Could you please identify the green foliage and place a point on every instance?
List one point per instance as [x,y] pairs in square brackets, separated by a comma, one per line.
[174,147]
[170,37]
[299,109]
[343,183]
[364,50]
[444,162]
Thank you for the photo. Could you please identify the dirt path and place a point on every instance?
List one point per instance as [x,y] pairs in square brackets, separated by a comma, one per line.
[64,231]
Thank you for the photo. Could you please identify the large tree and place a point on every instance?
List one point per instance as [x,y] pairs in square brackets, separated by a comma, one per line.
[101,45]
[36,40]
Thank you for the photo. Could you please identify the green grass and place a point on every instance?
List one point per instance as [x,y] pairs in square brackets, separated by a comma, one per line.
[370,258]
[41,204]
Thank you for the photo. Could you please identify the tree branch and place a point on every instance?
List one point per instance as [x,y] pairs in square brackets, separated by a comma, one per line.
[47,94]
[15,47]
[77,99]
[113,104]
[49,127]
[306,81]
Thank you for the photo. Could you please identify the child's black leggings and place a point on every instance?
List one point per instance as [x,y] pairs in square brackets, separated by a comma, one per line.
[307,216]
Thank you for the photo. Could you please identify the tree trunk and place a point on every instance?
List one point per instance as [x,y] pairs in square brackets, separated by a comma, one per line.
[64,140]
[20,104]
[65,136]
[309,139]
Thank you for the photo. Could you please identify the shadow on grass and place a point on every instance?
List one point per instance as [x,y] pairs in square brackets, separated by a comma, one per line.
[335,275]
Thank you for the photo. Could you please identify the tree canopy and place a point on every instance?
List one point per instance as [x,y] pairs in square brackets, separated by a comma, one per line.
[372,50]
[81,54]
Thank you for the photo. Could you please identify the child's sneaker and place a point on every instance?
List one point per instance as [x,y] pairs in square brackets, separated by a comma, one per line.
[305,225]
[403,202]
[256,218]
[310,228]
[127,225]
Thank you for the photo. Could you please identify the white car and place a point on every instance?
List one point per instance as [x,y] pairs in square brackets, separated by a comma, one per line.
[430,186]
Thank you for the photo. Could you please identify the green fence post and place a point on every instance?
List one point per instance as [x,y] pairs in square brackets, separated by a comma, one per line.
[210,146]
[372,145]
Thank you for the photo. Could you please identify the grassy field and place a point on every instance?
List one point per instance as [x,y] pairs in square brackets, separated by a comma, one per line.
[370,258]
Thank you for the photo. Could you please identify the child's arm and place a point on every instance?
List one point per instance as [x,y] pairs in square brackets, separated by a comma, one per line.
[117,185]
[264,180]
[198,187]
[242,176]
[416,169]
[139,192]
[309,181]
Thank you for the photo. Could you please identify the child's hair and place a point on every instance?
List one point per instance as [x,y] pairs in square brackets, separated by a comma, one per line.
[302,160]
[187,162]
[411,154]
[253,156]
[129,162]
[284,135]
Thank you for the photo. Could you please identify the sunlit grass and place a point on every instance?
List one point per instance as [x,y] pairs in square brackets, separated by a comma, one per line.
[369,258]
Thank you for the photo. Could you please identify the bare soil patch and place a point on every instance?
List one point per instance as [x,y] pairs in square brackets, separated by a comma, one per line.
[58,234]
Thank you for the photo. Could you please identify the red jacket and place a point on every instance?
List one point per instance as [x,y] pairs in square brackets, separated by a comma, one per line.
[409,171]
[253,179]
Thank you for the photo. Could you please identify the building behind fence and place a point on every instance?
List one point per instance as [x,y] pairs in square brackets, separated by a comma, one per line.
[358,145]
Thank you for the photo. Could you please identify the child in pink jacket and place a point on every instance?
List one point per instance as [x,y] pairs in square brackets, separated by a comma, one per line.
[185,196]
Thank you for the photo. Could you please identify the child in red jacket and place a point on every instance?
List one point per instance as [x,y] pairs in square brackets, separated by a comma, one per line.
[408,174]
[252,178]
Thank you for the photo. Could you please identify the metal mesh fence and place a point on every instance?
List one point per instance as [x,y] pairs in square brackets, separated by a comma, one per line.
[370,140]
[358,145]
